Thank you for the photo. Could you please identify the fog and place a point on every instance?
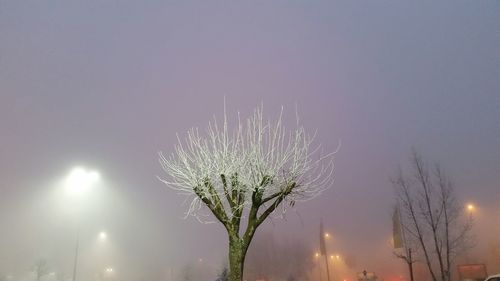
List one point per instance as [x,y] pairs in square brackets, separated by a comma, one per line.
[106,85]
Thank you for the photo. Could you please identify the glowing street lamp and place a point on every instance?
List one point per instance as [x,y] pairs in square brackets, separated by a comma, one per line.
[335,257]
[471,207]
[316,256]
[103,235]
[78,182]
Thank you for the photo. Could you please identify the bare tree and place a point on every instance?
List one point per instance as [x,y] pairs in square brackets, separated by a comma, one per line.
[272,259]
[223,275]
[41,268]
[60,276]
[261,258]
[403,248]
[245,174]
[434,222]
[187,273]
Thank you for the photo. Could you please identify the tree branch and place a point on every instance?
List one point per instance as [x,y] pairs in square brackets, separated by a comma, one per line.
[276,203]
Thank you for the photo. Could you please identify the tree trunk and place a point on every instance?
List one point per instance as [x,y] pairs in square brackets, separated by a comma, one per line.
[236,258]
[410,265]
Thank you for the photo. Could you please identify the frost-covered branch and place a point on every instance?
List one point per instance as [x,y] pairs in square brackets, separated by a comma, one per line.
[258,163]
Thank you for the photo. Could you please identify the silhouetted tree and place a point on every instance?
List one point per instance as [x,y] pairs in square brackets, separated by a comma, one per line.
[278,259]
[187,273]
[41,268]
[224,275]
[431,217]
[60,276]
[244,175]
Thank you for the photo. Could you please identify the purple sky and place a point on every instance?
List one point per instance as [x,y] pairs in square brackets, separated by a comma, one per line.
[108,84]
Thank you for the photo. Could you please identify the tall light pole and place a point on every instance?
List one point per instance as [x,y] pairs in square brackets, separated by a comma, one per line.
[316,255]
[322,246]
[75,261]
[471,209]
[77,183]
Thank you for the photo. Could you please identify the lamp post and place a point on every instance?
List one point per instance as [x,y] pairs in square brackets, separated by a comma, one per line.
[471,209]
[75,261]
[77,183]
[316,255]
[327,236]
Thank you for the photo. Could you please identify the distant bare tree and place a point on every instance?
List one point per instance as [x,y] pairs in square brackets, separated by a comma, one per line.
[187,273]
[433,220]
[223,275]
[60,276]
[244,175]
[404,248]
[299,261]
[261,257]
[41,268]
[272,259]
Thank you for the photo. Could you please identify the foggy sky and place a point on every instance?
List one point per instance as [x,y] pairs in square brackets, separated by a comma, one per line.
[108,84]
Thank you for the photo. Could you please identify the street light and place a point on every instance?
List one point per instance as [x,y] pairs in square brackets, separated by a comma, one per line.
[335,256]
[471,207]
[79,181]
[103,235]
[316,255]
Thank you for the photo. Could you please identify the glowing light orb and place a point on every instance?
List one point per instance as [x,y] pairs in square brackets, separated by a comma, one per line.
[80,180]
[103,235]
